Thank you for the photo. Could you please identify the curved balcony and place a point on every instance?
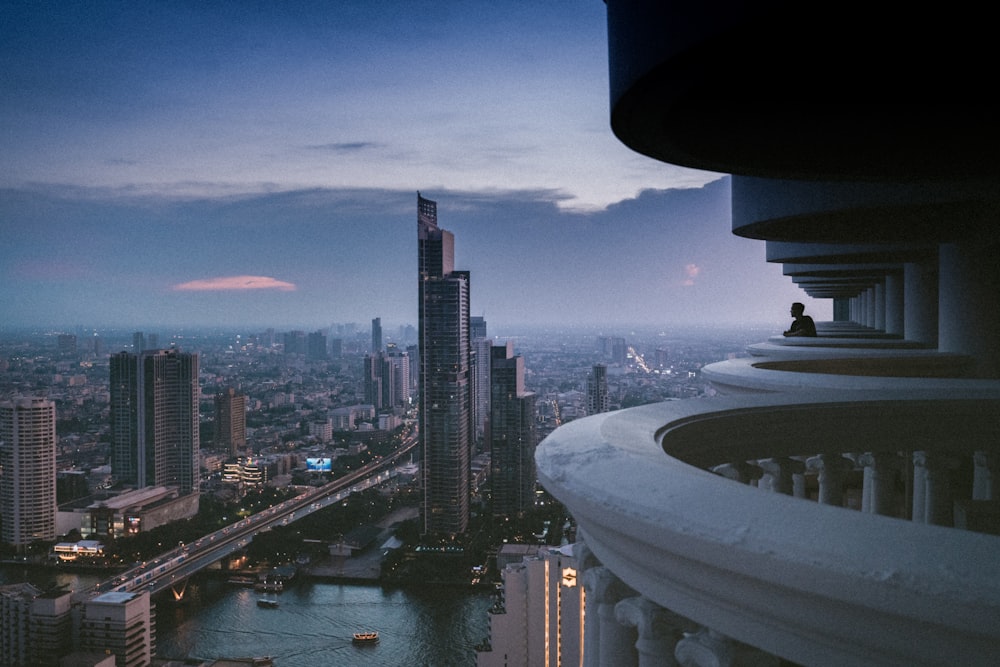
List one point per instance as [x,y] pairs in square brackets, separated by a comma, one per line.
[767,572]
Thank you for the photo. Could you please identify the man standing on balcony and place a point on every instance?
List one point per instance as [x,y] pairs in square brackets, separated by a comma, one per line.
[802,325]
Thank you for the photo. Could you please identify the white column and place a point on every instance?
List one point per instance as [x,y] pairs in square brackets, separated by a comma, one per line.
[740,471]
[705,648]
[936,506]
[984,475]
[878,496]
[969,303]
[894,303]
[659,630]
[781,472]
[616,642]
[832,468]
[920,302]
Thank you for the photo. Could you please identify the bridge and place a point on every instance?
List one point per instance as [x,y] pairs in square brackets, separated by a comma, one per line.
[172,569]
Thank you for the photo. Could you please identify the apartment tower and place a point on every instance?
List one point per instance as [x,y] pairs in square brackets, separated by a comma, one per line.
[445,377]
[512,434]
[154,419]
[28,467]
[231,421]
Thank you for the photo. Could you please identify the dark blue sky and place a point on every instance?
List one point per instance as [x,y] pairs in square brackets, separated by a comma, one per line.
[154,155]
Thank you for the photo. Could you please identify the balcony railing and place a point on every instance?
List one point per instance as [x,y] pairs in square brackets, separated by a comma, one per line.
[764,571]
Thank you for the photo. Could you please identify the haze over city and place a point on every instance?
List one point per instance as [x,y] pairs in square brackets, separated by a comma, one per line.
[252,165]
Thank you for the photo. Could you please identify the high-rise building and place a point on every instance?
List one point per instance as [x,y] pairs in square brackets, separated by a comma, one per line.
[512,434]
[138,342]
[316,346]
[121,624]
[598,399]
[481,372]
[231,421]
[376,335]
[538,618]
[445,377]
[27,470]
[373,376]
[296,342]
[154,419]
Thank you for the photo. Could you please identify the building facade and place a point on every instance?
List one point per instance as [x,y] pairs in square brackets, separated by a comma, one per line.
[722,530]
[512,434]
[231,421]
[28,470]
[445,377]
[154,419]
[598,399]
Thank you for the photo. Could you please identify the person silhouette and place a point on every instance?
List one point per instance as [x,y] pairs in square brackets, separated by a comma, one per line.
[802,324]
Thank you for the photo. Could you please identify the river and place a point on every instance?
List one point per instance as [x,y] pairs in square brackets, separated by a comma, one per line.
[313,623]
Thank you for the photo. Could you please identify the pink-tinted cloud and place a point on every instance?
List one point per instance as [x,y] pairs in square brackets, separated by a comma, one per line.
[691,272]
[225,283]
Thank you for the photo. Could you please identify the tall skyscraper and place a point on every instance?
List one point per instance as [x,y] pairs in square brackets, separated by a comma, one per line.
[481,367]
[376,335]
[512,434]
[28,470]
[154,419]
[231,421]
[445,377]
[598,399]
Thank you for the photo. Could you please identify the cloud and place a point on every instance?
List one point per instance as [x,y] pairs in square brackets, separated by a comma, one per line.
[224,283]
[691,272]
[344,146]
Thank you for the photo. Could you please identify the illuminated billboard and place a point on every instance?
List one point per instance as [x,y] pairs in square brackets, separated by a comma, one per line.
[322,464]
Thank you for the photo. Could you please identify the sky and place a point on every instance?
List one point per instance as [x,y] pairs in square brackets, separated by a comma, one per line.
[257,164]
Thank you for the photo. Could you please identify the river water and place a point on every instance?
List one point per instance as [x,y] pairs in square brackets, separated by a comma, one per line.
[314,621]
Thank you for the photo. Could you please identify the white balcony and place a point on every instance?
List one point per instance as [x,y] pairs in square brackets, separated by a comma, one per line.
[765,574]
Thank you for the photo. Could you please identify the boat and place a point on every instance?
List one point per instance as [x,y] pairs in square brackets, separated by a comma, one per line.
[365,637]
[267,604]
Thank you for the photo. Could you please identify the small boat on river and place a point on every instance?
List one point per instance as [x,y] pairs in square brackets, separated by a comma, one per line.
[365,638]
[267,604]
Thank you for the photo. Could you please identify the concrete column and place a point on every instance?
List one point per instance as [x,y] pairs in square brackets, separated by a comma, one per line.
[920,306]
[969,304]
[985,475]
[879,493]
[586,561]
[841,309]
[740,471]
[659,630]
[616,643]
[878,292]
[894,303]
[781,472]
[832,468]
[705,648]
[937,505]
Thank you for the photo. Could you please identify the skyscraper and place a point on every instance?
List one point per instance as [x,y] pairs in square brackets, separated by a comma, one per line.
[231,420]
[597,390]
[512,434]
[28,467]
[445,377]
[154,419]
[376,335]
[481,367]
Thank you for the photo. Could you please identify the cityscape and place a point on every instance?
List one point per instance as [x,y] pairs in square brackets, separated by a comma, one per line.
[695,360]
[267,426]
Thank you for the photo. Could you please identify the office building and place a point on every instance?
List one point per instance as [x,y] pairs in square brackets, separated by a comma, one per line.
[154,419]
[231,421]
[316,346]
[27,470]
[445,377]
[512,434]
[722,530]
[598,399]
[35,626]
[481,354]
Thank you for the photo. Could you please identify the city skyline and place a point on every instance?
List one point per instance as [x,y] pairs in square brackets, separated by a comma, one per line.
[213,165]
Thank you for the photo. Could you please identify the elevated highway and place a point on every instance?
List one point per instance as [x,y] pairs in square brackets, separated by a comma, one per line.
[172,568]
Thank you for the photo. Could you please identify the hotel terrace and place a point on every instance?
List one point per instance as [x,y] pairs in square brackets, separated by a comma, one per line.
[837,502]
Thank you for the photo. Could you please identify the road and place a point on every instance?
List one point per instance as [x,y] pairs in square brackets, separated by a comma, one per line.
[171,568]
